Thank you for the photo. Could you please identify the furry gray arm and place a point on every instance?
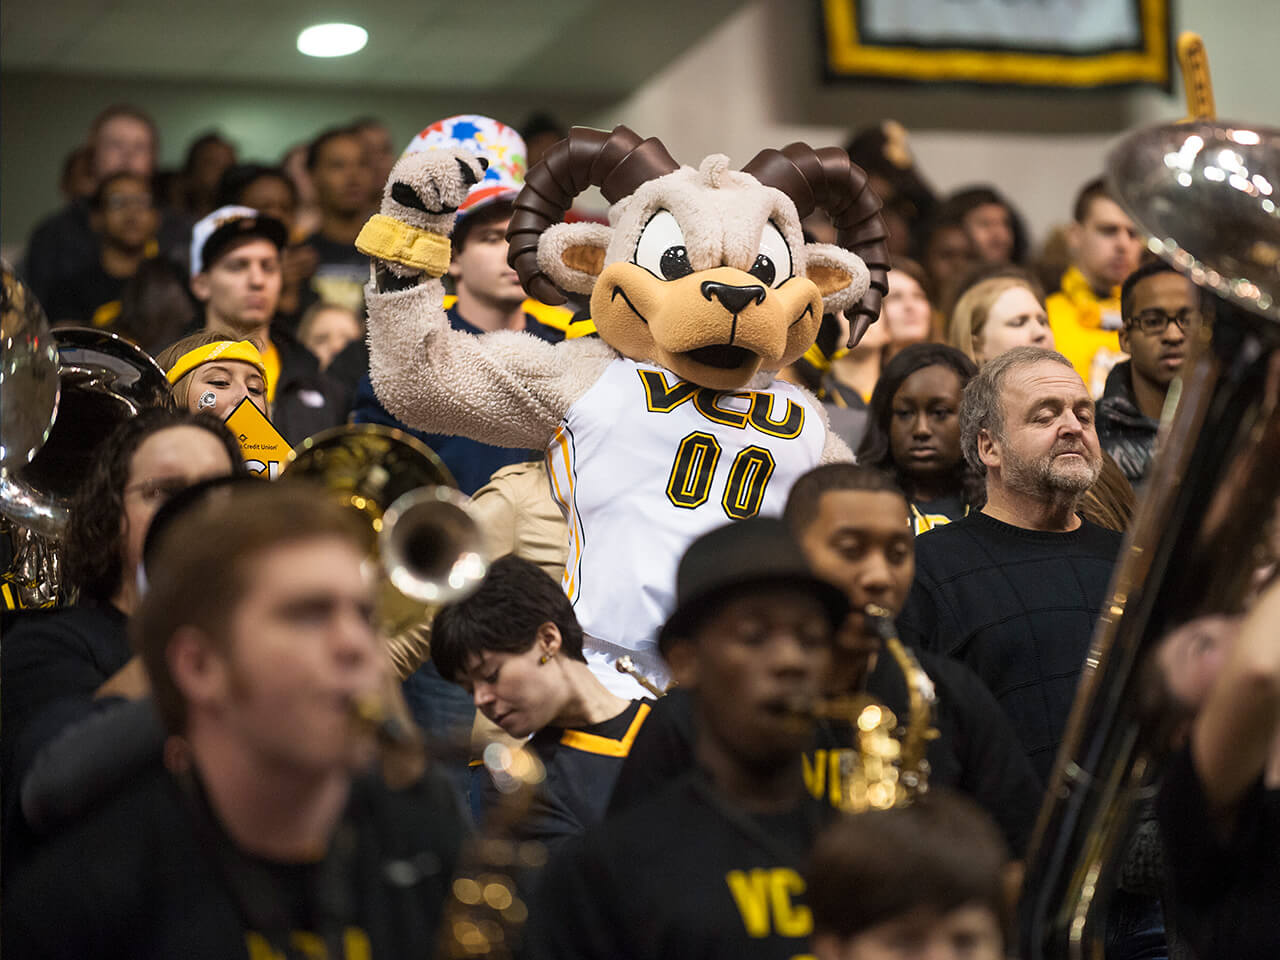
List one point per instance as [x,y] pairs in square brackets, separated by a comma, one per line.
[835,450]
[508,389]
[505,388]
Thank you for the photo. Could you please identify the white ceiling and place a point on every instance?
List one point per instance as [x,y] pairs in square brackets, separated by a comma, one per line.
[589,47]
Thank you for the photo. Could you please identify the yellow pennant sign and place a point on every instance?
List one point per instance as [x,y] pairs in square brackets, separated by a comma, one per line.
[264,450]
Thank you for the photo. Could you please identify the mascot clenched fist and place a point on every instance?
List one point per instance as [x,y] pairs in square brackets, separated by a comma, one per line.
[671,422]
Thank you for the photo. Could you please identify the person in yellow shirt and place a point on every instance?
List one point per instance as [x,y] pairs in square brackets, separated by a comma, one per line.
[1084,313]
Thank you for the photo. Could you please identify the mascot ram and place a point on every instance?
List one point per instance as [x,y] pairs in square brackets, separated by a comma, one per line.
[672,422]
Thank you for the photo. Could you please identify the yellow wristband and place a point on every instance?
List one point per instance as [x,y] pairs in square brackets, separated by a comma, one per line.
[386,238]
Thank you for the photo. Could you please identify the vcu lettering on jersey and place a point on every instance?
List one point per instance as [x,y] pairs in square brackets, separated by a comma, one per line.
[716,406]
[644,464]
[767,900]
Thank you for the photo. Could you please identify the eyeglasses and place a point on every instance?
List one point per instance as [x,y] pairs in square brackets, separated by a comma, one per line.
[157,491]
[1155,321]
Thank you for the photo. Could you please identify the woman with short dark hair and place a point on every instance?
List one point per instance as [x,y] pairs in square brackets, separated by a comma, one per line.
[515,646]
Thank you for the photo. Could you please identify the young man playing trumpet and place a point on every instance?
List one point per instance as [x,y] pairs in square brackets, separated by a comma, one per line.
[261,834]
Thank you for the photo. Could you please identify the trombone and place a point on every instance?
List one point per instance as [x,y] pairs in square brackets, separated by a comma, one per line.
[425,544]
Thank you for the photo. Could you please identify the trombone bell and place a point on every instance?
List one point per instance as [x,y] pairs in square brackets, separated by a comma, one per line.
[432,548]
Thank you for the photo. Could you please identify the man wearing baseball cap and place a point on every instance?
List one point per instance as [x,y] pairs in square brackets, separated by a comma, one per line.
[711,865]
[235,274]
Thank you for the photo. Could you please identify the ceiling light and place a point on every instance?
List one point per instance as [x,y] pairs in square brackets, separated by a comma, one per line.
[332,40]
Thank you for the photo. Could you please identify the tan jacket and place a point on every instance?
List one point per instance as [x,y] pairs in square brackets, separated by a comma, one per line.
[517,515]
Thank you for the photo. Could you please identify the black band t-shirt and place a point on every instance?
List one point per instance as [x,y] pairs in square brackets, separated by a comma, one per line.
[141,877]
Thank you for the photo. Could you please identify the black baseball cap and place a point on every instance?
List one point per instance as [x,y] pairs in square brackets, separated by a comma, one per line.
[211,236]
[756,552]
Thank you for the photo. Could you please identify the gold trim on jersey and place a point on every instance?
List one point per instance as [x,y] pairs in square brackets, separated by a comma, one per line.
[592,743]
[572,568]
[788,428]
[661,398]
[749,475]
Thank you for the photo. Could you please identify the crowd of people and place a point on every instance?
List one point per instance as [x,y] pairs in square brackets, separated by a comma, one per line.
[189,742]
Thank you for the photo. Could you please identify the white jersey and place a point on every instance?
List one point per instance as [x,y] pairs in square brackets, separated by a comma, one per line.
[643,464]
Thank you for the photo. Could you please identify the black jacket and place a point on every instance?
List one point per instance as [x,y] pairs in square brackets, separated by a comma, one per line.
[1124,431]
[307,401]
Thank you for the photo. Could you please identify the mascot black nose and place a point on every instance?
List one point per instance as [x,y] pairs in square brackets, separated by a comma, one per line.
[735,299]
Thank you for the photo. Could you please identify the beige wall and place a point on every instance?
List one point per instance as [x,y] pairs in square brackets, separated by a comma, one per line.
[754,83]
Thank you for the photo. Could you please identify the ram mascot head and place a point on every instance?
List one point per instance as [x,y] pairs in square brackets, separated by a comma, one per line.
[704,272]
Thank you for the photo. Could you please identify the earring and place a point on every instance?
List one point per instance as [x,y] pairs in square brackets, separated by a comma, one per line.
[543,659]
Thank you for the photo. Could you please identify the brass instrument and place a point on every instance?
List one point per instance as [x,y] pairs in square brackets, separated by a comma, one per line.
[485,914]
[1206,195]
[889,766]
[428,548]
[1197,87]
[28,375]
[102,380]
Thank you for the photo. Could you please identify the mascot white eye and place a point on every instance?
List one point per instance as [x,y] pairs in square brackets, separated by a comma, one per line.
[661,249]
[773,262]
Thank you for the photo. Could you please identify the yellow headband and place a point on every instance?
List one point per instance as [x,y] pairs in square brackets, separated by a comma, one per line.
[388,239]
[241,350]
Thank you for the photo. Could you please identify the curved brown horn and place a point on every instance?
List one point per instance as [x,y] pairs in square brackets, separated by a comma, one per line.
[616,162]
[828,179]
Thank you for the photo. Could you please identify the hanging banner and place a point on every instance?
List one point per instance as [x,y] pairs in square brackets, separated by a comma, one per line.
[264,450]
[1041,43]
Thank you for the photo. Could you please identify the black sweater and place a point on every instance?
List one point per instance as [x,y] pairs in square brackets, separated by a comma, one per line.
[1019,607]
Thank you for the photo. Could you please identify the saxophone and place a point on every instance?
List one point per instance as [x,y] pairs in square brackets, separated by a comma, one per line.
[888,766]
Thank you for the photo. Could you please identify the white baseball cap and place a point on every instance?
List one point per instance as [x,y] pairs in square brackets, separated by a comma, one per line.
[211,236]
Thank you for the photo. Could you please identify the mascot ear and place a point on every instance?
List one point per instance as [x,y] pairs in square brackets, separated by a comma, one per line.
[572,254]
[840,275]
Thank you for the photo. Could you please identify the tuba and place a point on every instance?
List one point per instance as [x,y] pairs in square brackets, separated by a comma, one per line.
[1206,194]
[68,391]
[429,548]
